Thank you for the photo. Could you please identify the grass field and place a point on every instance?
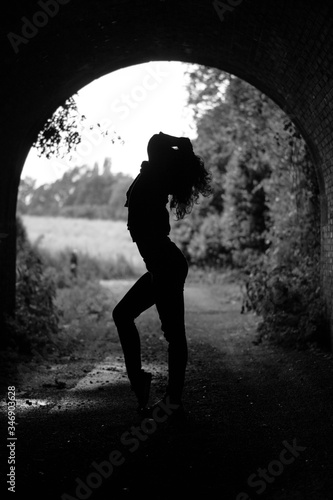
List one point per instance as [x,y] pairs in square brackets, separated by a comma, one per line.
[98,238]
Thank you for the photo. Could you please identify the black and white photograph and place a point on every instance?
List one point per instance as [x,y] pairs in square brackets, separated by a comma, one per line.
[166,250]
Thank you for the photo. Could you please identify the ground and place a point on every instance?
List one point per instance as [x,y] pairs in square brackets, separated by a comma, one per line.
[259,416]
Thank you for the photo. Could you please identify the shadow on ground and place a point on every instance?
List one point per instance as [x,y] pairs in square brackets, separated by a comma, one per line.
[238,426]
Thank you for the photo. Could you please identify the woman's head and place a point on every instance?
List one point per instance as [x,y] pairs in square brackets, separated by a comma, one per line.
[183,171]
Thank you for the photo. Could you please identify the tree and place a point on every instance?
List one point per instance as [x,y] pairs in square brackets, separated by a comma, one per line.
[63,131]
[231,120]
[254,153]
[80,192]
[268,218]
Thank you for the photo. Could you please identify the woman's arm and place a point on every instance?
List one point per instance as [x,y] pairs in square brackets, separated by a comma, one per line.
[168,140]
[160,141]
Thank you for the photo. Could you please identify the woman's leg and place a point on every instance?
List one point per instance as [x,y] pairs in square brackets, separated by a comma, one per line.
[139,298]
[174,332]
[169,299]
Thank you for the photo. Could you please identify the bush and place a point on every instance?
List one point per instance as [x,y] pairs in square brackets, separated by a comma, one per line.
[86,313]
[200,239]
[289,302]
[53,308]
[88,268]
[36,319]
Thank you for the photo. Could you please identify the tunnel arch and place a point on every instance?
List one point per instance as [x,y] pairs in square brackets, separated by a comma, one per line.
[282,48]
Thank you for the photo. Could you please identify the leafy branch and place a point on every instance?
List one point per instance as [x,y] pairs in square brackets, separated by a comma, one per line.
[63,132]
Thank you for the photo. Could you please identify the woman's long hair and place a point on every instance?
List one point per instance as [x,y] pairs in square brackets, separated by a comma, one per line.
[191,179]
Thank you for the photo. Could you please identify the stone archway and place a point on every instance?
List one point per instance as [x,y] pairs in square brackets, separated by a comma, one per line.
[52,48]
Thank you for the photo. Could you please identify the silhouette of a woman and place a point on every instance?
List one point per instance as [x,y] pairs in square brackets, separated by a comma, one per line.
[173,174]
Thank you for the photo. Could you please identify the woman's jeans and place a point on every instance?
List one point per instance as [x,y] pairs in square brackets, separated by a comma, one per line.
[162,285]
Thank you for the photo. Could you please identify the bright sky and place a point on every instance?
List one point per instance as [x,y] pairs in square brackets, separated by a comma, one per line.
[136,102]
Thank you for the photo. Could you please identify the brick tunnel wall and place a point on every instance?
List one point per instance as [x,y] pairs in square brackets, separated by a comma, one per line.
[283,47]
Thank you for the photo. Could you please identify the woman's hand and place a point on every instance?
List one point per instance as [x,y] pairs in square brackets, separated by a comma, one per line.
[185,144]
[182,143]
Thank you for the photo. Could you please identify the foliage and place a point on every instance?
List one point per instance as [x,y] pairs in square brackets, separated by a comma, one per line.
[245,216]
[236,140]
[81,192]
[289,303]
[89,268]
[86,313]
[263,219]
[55,309]
[63,131]
[201,241]
[35,324]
